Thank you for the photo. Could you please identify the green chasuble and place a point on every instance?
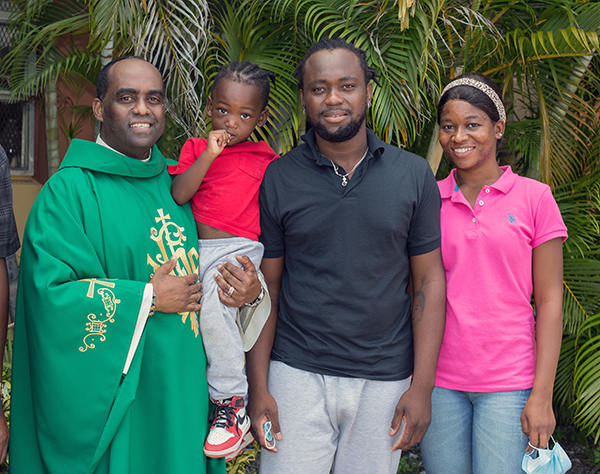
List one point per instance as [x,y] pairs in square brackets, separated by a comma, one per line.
[95,235]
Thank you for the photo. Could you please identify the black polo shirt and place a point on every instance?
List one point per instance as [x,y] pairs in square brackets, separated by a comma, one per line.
[344,309]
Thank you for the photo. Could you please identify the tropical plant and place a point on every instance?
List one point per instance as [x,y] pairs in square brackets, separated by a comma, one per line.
[239,464]
[547,64]
[69,38]
[73,115]
[251,36]
[173,35]
[544,54]
[406,59]
[276,34]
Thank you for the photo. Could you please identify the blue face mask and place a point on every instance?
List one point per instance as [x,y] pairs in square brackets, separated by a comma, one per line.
[546,461]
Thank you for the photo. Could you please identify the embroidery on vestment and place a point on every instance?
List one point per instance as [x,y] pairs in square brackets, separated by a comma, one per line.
[96,325]
[170,239]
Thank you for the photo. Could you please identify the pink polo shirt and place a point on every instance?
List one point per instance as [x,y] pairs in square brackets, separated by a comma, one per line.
[489,340]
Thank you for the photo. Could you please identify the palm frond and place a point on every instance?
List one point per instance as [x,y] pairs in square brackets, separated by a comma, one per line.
[61,37]
[547,49]
[587,378]
[113,21]
[406,59]
[579,203]
[564,389]
[34,58]
[582,289]
[28,80]
[173,36]
[245,31]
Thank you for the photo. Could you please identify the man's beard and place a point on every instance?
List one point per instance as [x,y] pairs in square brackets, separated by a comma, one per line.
[342,134]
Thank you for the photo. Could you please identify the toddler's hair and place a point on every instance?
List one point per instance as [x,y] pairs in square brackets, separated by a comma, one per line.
[247,73]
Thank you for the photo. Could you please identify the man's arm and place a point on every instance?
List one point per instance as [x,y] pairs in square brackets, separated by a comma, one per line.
[4,292]
[537,419]
[261,405]
[428,321]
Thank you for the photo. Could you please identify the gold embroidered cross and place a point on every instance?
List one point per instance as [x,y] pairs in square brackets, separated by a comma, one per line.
[162,217]
[93,281]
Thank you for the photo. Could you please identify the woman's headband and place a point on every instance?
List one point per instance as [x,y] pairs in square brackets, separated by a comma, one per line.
[487,90]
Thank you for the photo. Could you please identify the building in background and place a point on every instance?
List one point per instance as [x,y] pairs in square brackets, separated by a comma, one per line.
[23,131]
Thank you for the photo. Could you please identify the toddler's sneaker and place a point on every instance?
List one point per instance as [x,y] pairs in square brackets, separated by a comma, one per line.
[246,441]
[229,426]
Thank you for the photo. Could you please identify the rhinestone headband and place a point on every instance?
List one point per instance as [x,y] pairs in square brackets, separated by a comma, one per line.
[487,90]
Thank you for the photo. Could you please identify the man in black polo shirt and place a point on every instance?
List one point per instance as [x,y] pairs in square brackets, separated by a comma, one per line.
[347,220]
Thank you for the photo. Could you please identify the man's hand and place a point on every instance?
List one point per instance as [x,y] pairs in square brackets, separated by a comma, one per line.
[261,408]
[245,282]
[175,294]
[415,407]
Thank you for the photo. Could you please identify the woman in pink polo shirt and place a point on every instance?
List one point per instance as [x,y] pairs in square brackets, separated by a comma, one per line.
[502,240]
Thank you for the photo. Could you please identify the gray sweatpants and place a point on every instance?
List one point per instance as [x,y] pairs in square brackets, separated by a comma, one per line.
[338,423]
[225,371]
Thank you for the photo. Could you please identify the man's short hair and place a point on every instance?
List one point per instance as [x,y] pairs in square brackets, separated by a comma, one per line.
[102,84]
[246,72]
[329,44]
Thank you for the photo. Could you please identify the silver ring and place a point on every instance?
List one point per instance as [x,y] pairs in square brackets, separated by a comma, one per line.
[230,292]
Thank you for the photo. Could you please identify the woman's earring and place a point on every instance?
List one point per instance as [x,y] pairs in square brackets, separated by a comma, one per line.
[368,104]
[303,110]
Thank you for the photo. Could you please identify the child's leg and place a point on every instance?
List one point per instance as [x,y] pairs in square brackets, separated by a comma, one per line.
[220,334]
[224,352]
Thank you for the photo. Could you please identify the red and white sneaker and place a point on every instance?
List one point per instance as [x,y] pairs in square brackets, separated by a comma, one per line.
[229,426]
[246,442]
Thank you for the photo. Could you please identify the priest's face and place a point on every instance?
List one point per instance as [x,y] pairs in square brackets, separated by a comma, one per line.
[133,110]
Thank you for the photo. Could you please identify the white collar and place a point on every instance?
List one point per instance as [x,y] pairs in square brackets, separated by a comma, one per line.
[99,141]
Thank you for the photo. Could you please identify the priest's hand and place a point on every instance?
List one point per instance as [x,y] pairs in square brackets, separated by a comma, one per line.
[175,294]
[245,283]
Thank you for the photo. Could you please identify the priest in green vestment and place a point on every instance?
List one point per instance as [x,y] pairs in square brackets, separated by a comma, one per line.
[109,372]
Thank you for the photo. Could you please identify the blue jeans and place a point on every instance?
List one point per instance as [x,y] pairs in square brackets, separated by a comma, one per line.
[475,432]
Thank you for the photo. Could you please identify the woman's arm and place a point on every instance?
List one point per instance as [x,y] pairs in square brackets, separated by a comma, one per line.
[537,419]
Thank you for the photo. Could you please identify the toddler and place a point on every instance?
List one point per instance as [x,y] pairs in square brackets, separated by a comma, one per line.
[221,175]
